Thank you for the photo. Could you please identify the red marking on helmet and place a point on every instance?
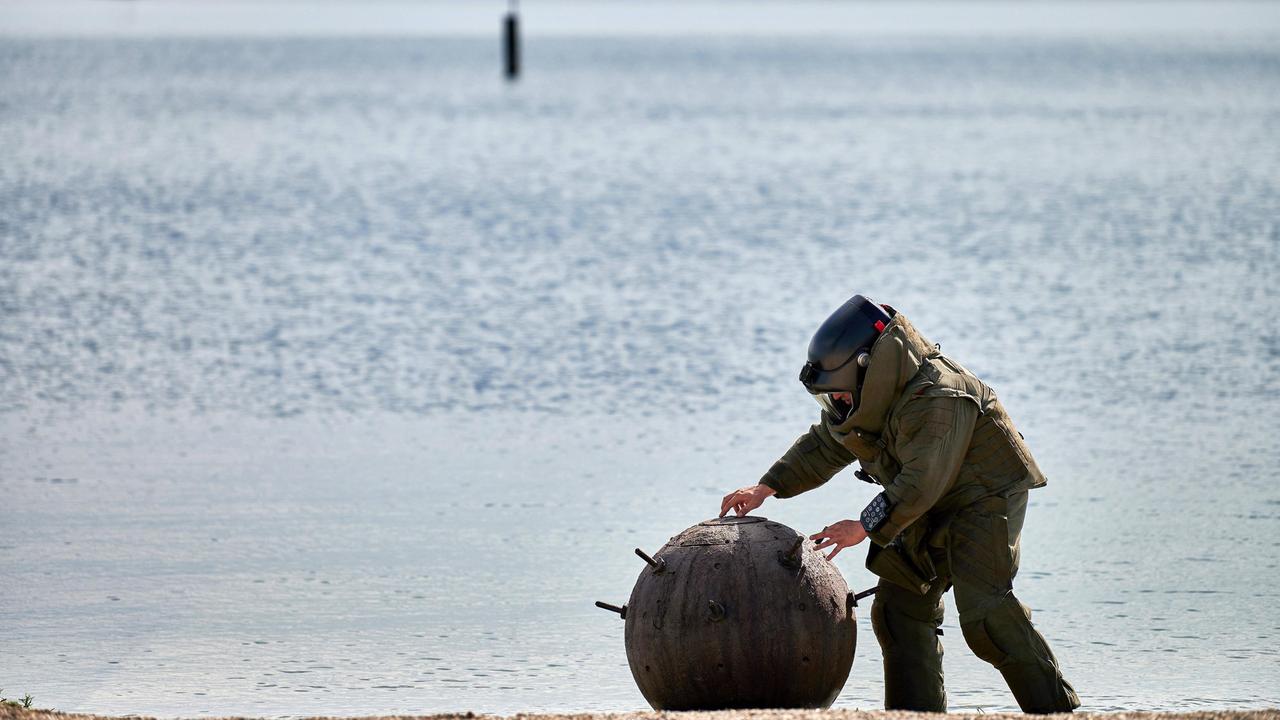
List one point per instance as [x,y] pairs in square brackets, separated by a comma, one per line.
[879,326]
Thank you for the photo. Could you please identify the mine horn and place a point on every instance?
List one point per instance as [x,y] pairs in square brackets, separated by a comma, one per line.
[717,611]
[791,558]
[853,598]
[658,565]
[622,611]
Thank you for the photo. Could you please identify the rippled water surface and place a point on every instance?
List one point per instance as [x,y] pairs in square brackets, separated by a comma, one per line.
[338,377]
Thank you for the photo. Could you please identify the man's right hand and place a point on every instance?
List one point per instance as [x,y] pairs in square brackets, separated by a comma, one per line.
[744,500]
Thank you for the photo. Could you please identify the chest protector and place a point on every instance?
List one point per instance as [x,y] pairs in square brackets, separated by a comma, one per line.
[998,460]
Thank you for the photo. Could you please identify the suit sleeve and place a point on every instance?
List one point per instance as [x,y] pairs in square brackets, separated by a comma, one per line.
[812,460]
[933,439]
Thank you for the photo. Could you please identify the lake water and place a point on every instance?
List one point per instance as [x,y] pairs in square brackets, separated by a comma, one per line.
[339,377]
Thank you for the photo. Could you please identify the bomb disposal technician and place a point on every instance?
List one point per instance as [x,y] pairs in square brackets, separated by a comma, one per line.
[955,474]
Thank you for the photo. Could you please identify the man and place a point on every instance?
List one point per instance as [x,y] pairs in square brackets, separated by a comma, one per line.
[955,474]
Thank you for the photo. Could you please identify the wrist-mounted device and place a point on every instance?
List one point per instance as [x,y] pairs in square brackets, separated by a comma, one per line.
[876,513]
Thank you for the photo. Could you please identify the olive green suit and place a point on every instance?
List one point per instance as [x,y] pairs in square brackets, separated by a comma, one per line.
[956,472]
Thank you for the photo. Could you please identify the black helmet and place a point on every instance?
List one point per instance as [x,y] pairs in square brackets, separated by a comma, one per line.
[840,349]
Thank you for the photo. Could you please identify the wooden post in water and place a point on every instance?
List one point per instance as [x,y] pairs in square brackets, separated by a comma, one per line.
[511,41]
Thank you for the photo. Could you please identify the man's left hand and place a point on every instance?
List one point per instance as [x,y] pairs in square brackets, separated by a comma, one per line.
[843,534]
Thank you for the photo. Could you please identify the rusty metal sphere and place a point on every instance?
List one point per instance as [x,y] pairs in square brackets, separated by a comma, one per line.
[739,612]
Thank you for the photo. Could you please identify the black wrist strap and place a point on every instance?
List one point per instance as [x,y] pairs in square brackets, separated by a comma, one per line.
[876,513]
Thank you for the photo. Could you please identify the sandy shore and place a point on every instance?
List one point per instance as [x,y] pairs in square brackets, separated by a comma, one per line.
[15,713]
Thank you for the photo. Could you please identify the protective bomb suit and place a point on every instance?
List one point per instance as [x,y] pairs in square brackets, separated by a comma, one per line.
[955,474]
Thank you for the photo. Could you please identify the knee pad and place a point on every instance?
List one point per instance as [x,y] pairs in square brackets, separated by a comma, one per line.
[994,634]
[909,620]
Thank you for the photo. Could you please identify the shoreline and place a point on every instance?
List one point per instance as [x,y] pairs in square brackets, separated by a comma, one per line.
[17,713]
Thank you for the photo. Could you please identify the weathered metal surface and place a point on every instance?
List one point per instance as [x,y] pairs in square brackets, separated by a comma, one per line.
[737,613]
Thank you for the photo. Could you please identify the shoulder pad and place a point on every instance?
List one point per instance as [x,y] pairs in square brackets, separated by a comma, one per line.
[942,377]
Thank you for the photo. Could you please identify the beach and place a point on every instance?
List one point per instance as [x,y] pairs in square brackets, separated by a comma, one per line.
[12,713]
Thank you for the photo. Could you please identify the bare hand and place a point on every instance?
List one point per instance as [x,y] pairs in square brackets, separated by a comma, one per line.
[843,534]
[744,500]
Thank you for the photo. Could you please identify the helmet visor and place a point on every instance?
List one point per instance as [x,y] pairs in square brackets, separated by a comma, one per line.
[840,405]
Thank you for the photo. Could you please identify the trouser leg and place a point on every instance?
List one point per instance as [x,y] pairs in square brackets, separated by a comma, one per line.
[983,552]
[906,626]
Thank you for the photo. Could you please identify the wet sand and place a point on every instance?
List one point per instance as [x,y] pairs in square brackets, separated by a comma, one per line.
[15,713]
